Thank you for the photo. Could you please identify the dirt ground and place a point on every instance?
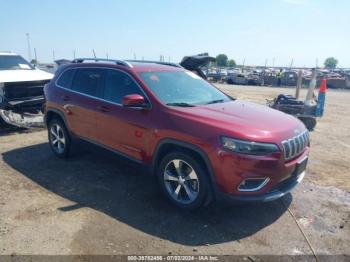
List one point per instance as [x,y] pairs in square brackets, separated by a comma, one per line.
[96,203]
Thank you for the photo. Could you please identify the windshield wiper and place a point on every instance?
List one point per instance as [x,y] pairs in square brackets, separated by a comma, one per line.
[180,104]
[215,101]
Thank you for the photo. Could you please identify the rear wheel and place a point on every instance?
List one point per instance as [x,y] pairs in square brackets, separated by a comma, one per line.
[183,181]
[59,139]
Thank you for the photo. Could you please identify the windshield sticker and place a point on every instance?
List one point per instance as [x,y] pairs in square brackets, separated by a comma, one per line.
[24,66]
[193,75]
[154,78]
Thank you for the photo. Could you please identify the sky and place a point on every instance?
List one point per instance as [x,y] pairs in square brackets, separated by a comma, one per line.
[253,31]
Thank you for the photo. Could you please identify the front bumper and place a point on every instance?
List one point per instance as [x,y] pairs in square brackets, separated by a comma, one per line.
[279,191]
[19,105]
[232,169]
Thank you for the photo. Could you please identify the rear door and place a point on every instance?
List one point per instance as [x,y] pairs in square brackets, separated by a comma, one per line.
[124,129]
[80,102]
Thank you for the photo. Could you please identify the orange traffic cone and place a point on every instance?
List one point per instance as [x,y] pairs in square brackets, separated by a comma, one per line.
[323,87]
[321,98]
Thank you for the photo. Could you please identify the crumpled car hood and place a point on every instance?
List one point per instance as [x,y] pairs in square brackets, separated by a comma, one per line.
[7,76]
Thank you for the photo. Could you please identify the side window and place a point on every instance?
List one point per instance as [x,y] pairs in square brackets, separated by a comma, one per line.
[118,85]
[88,81]
[66,78]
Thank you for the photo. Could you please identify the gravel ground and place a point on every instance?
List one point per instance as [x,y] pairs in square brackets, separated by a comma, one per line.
[96,203]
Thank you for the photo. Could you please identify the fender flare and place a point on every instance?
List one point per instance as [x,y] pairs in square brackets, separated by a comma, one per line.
[58,112]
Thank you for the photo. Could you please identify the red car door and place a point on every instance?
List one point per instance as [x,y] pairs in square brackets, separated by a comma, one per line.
[80,102]
[124,129]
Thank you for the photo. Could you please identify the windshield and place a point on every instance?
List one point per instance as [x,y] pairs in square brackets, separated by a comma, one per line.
[14,62]
[182,88]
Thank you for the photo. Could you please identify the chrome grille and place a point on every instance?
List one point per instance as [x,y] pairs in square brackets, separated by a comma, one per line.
[295,145]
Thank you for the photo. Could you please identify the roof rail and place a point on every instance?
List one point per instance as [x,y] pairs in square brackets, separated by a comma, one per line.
[118,62]
[155,62]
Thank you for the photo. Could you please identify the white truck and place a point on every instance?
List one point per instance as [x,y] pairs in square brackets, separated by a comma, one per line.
[21,91]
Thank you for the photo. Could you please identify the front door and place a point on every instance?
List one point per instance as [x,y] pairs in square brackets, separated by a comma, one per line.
[126,130]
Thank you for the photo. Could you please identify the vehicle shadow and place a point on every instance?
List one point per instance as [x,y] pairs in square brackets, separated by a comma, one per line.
[97,179]
[6,129]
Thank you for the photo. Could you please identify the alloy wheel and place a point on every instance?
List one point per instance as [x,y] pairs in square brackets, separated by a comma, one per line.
[181,181]
[58,140]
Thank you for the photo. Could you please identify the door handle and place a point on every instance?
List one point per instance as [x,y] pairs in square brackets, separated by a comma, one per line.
[65,98]
[103,109]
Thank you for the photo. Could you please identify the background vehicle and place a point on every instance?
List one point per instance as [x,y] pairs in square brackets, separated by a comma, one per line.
[200,143]
[21,90]
[244,78]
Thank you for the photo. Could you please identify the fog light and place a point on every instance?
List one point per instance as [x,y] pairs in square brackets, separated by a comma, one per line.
[253,184]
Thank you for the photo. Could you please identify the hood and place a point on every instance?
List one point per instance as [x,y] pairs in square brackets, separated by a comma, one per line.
[196,61]
[23,75]
[246,120]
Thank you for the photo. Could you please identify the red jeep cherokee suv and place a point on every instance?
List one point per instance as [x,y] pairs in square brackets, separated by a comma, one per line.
[199,142]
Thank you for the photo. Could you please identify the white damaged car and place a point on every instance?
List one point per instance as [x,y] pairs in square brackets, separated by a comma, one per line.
[21,90]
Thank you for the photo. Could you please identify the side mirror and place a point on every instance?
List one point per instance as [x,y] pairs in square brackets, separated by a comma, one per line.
[134,100]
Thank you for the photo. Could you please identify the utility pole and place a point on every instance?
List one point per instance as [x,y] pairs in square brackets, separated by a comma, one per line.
[74,53]
[93,51]
[134,56]
[107,55]
[299,83]
[53,55]
[309,101]
[36,58]
[273,62]
[29,48]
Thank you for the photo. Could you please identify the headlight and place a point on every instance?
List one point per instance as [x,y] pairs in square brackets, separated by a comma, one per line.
[247,147]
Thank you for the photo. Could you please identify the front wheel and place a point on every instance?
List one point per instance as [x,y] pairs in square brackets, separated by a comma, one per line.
[59,138]
[183,180]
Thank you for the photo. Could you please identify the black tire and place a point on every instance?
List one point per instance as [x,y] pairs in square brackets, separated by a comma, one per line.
[63,134]
[309,122]
[201,188]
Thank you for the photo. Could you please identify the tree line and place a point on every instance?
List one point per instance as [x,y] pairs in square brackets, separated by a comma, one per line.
[222,60]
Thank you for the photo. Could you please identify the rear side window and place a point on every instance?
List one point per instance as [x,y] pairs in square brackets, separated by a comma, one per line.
[65,79]
[88,81]
[118,85]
